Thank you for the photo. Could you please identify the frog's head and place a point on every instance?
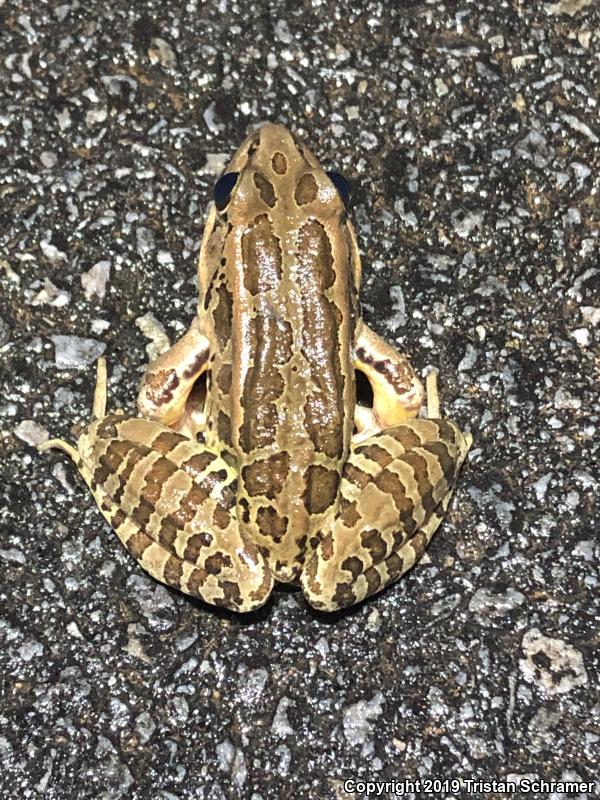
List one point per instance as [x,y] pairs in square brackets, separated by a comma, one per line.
[274,172]
[275,197]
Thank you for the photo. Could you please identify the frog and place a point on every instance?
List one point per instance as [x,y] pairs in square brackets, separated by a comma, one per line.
[251,461]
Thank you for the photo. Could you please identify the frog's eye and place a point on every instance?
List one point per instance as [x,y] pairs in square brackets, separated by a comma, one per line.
[223,188]
[342,186]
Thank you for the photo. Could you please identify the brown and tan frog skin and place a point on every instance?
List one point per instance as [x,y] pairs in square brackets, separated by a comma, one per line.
[278,475]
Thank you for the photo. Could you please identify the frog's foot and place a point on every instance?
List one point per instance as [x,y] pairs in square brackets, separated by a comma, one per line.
[395,490]
[169,379]
[98,411]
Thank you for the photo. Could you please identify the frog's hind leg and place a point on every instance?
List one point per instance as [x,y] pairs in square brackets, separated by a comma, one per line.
[395,490]
[379,575]
[171,502]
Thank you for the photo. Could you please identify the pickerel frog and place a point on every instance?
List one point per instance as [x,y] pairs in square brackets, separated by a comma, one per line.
[276,473]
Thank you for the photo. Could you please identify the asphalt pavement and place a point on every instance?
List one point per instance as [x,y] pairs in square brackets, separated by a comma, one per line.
[470,133]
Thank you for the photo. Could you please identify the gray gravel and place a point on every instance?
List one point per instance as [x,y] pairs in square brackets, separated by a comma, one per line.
[471,133]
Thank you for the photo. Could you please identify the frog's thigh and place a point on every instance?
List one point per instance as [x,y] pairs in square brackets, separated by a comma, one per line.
[397,392]
[169,379]
[171,502]
[395,491]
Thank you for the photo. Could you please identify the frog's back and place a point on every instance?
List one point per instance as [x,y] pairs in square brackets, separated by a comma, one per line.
[282,308]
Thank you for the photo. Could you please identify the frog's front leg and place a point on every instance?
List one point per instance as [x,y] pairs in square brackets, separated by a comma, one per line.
[169,380]
[397,392]
[395,490]
[172,503]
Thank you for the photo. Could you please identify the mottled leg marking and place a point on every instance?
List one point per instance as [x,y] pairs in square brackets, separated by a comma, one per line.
[171,502]
[170,378]
[397,392]
[176,515]
[395,489]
